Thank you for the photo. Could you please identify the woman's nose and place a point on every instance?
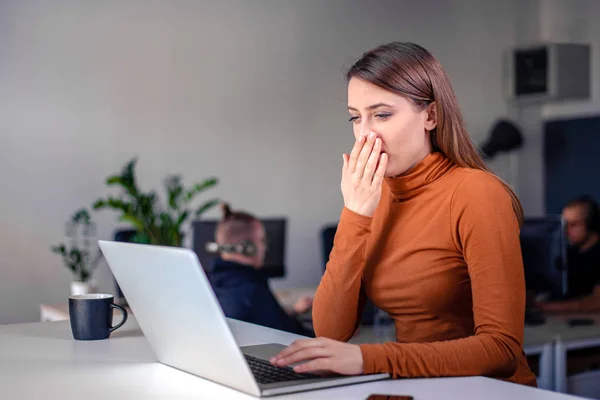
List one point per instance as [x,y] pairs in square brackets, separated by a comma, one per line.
[365,128]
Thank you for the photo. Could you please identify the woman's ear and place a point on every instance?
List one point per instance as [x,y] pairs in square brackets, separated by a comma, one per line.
[431,121]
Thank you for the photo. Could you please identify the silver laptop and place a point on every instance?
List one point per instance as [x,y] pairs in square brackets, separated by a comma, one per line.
[182,320]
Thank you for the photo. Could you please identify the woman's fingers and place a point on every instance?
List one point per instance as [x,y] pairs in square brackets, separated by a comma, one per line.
[306,354]
[358,145]
[319,365]
[297,346]
[372,162]
[358,174]
[380,171]
[363,157]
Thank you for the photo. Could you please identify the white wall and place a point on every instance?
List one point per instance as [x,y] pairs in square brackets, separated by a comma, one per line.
[251,92]
[528,160]
[574,21]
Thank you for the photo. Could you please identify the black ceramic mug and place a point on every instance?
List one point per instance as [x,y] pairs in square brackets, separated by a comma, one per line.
[91,316]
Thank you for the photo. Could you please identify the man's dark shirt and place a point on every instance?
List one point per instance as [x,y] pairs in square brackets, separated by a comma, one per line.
[244,294]
[583,270]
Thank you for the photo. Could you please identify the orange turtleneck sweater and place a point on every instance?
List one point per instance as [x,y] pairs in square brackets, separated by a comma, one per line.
[442,256]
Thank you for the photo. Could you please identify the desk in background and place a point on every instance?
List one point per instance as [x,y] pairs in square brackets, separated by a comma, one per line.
[41,360]
[576,355]
[60,312]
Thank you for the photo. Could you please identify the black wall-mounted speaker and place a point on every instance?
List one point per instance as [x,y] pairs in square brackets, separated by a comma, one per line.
[550,72]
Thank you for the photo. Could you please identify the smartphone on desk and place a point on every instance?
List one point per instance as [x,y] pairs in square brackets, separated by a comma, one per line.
[376,396]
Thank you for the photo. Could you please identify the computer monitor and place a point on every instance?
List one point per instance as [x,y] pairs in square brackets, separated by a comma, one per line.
[204,231]
[544,251]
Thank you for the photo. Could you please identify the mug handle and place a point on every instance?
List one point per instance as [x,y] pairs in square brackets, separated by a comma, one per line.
[120,324]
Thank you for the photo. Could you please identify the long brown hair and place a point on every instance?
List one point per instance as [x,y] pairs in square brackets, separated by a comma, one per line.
[411,71]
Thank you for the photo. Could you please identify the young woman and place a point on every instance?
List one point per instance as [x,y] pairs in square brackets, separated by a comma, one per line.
[427,233]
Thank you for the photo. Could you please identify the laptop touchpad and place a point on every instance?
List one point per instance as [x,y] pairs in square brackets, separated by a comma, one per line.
[263,351]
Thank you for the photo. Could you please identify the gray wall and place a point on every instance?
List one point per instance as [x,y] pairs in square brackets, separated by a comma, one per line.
[552,21]
[251,92]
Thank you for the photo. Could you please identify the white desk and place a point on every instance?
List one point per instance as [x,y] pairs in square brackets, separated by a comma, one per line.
[42,360]
[539,341]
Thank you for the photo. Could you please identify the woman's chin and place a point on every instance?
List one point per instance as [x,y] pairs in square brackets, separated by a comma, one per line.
[394,170]
[391,172]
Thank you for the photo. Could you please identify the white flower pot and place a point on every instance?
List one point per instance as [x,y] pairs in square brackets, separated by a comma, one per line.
[82,288]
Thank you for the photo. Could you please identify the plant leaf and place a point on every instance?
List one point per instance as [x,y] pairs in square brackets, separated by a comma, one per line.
[112,202]
[126,179]
[81,215]
[200,187]
[166,220]
[141,237]
[60,249]
[206,206]
[174,190]
[113,180]
[182,218]
[136,222]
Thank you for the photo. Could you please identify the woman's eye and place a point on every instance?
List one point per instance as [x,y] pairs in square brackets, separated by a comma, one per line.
[353,118]
[383,115]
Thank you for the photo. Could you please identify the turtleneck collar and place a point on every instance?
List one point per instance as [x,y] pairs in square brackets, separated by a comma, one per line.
[428,170]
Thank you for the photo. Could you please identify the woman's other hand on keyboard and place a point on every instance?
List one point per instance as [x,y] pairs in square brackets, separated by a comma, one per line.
[321,355]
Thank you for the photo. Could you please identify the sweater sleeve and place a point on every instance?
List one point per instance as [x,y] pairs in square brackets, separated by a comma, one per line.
[485,230]
[339,300]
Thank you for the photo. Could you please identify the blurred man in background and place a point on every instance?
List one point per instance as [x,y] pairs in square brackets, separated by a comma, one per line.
[241,288]
[582,220]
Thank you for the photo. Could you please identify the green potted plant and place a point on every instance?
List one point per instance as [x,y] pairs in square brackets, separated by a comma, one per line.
[77,255]
[153,222]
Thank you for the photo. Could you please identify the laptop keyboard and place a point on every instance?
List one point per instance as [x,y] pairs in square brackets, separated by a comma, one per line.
[265,372]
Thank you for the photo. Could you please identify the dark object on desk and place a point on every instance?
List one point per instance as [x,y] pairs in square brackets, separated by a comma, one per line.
[534,317]
[91,316]
[573,322]
[389,397]
[276,229]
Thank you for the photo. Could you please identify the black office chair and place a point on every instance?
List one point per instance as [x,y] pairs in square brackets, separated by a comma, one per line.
[327,236]
[124,235]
